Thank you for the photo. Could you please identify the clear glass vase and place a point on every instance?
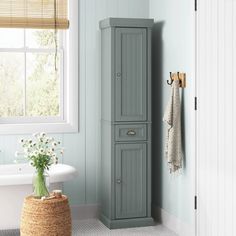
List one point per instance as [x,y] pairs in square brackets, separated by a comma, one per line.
[41,184]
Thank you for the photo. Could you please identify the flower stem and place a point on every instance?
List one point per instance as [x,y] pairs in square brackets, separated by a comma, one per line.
[40,188]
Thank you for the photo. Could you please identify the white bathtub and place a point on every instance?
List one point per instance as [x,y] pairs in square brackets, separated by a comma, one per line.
[16,183]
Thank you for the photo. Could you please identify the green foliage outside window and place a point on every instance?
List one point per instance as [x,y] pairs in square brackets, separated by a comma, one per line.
[37,94]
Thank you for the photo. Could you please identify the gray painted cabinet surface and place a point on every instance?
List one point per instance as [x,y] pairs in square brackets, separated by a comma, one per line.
[130,175]
[126,122]
[131,74]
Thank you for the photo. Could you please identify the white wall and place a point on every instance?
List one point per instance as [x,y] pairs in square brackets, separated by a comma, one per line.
[173,50]
[83,149]
[216,117]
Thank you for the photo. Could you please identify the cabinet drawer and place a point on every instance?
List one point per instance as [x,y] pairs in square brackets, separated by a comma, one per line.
[130,132]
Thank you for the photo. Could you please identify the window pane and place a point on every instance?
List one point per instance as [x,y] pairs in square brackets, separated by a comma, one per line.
[42,85]
[11,84]
[11,38]
[41,38]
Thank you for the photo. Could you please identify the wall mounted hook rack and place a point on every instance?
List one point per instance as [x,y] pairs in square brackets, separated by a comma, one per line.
[178,76]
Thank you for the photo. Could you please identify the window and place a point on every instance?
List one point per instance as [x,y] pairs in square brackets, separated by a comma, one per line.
[34,95]
[29,84]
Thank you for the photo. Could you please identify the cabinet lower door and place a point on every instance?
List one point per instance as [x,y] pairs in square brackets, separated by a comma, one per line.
[130,180]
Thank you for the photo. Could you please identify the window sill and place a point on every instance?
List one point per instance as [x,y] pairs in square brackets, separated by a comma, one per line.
[38,127]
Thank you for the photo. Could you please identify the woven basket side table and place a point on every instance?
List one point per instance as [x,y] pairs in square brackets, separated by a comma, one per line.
[45,218]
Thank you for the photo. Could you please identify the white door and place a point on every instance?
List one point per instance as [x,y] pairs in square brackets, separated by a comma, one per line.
[216,117]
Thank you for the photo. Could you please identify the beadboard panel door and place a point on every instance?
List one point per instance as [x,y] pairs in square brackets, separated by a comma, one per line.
[130,179]
[131,74]
[216,176]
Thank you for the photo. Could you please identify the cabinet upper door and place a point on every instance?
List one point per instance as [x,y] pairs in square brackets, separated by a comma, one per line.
[130,180]
[131,74]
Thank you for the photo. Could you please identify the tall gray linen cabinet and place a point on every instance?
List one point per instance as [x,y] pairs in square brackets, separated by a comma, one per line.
[126,122]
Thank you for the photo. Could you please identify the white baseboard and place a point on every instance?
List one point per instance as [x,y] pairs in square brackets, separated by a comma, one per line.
[82,212]
[172,222]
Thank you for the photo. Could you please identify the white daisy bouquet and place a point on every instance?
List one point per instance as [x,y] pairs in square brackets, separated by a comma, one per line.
[42,151]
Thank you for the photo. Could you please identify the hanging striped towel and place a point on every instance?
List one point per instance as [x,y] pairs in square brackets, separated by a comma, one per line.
[172,117]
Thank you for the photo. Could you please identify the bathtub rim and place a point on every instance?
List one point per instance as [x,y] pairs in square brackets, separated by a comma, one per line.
[58,174]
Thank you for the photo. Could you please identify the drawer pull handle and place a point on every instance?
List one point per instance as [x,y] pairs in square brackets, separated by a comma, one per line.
[131,132]
[118,181]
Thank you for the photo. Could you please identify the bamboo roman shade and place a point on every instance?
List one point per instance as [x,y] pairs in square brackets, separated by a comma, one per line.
[42,14]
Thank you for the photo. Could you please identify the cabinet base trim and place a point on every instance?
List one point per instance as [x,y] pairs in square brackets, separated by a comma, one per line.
[127,223]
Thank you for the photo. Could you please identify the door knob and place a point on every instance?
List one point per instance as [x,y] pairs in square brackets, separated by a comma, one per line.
[118,181]
[118,75]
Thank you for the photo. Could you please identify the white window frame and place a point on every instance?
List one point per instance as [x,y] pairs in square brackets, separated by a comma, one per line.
[68,122]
